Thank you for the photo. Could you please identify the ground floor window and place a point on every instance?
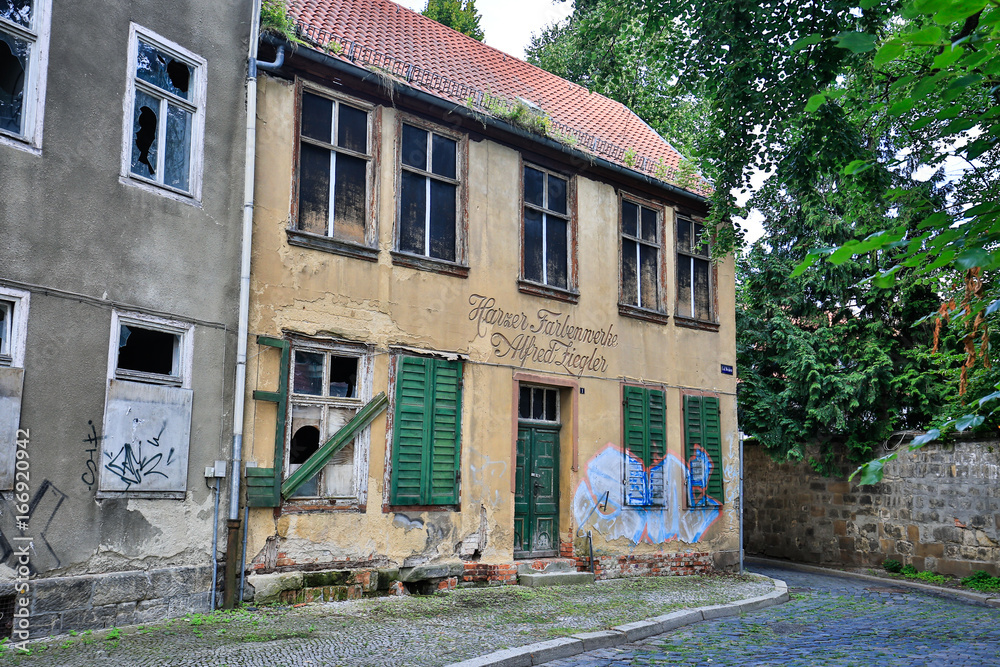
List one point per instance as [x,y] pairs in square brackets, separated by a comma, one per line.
[703,451]
[645,445]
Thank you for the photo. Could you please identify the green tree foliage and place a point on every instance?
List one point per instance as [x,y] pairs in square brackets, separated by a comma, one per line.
[460,15]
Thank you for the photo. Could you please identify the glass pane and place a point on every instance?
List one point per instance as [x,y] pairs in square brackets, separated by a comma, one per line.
[443,214]
[532,245]
[305,441]
[350,198]
[684,286]
[649,219]
[412,212]
[648,275]
[630,273]
[314,189]
[5,324]
[163,71]
[538,403]
[343,377]
[146,350]
[555,255]
[352,132]
[524,403]
[534,187]
[551,413]
[414,149]
[443,156]
[317,117]
[699,247]
[17,11]
[702,293]
[308,375]
[144,125]
[338,474]
[557,194]
[14,63]
[684,234]
[630,218]
[177,160]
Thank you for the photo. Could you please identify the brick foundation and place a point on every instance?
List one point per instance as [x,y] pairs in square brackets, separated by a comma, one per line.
[478,574]
[648,565]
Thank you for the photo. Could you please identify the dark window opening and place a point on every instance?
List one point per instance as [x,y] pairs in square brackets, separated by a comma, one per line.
[145,136]
[694,271]
[13,68]
[343,377]
[545,235]
[180,75]
[147,350]
[428,201]
[7,615]
[640,279]
[305,443]
[538,404]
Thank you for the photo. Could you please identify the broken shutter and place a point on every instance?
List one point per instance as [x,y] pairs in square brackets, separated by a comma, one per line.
[264,484]
[645,443]
[11,382]
[703,451]
[425,456]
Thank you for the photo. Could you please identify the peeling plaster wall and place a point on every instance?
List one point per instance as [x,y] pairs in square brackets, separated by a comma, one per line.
[315,293]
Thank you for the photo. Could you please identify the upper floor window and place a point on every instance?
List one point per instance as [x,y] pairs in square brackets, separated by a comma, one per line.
[642,285]
[547,233]
[152,350]
[335,165]
[166,120]
[430,194]
[24,37]
[694,272]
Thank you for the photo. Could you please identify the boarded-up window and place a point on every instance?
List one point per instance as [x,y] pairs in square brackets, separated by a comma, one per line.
[545,236]
[694,271]
[703,451]
[428,193]
[645,445]
[640,266]
[427,427]
[327,389]
[334,164]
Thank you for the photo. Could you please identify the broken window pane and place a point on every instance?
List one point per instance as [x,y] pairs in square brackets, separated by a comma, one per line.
[352,130]
[630,218]
[147,350]
[14,56]
[17,11]
[308,374]
[443,214]
[649,224]
[317,117]
[414,147]
[630,272]
[533,245]
[538,403]
[534,187]
[412,212]
[163,70]
[556,269]
[524,403]
[305,441]
[350,198]
[338,474]
[314,189]
[443,156]
[684,286]
[648,277]
[702,293]
[557,194]
[551,411]
[343,377]
[177,160]
[145,124]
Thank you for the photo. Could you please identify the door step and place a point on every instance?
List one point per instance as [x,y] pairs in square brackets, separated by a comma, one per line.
[551,572]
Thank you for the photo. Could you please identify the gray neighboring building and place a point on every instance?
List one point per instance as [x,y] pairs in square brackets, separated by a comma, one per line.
[122,134]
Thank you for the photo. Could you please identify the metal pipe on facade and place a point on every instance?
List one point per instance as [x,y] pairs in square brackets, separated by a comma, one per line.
[215,541]
[741,500]
[243,553]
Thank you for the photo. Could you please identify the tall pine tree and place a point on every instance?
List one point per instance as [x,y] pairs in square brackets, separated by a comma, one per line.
[460,15]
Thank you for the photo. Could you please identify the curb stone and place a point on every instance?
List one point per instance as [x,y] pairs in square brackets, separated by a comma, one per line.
[565,647]
[986,599]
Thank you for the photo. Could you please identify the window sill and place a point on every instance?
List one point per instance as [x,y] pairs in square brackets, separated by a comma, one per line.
[146,495]
[19,142]
[327,244]
[319,505]
[547,291]
[386,509]
[160,189]
[691,323]
[646,314]
[429,264]
[148,378]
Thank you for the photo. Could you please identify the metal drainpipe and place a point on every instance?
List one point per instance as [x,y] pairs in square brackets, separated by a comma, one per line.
[215,540]
[741,500]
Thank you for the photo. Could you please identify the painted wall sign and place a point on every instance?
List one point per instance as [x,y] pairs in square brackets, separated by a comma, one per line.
[544,337]
[727,369]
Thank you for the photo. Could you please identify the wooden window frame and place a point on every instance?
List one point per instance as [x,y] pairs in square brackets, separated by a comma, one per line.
[659,314]
[718,469]
[570,293]
[460,267]
[183,360]
[687,255]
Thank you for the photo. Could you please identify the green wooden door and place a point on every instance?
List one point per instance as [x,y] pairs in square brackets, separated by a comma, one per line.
[536,497]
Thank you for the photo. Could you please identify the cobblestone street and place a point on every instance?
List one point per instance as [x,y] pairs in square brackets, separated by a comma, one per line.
[829,621]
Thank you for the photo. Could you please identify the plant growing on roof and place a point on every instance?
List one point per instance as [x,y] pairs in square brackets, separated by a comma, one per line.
[275,19]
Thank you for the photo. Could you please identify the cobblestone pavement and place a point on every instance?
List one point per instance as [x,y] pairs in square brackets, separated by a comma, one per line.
[423,631]
[829,621]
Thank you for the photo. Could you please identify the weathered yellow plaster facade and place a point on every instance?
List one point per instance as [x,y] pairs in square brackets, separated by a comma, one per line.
[394,308]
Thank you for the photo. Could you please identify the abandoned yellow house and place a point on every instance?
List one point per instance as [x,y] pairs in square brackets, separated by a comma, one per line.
[483,328]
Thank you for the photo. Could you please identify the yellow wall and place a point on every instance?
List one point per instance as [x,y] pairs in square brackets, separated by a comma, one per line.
[318,293]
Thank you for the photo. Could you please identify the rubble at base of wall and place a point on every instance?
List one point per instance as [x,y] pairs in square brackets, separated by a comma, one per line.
[91,602]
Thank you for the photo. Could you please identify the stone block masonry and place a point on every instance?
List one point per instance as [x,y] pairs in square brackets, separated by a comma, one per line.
[937,508]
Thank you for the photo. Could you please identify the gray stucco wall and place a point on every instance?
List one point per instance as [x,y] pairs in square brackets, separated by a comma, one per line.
[70,226]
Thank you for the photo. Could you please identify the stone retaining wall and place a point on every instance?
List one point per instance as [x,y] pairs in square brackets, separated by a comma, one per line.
[938,508]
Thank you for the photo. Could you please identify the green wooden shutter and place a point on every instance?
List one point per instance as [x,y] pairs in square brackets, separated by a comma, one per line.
[712,438]
[443,465]
[635,442]
[410,430]
[702,430]
[656,423]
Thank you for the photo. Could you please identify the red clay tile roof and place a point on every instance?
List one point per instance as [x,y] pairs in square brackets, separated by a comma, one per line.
[453,66]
